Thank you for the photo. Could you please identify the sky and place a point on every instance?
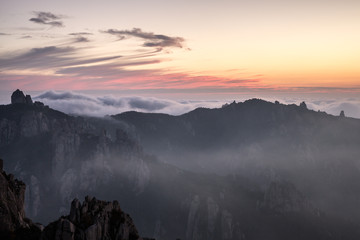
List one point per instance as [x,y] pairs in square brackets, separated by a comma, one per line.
[183,50]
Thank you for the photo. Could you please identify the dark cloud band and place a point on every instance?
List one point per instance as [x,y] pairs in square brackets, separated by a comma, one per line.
[47,18]
[49,57]
[151,39]
[79,36]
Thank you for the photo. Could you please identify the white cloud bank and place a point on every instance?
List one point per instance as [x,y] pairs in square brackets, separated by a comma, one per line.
[82,104]
[350,106]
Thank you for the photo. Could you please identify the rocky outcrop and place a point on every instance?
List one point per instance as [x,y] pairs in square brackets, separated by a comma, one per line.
[19,97]
[342,114]
[93,219]
[13,223]
[23,118]
[12,202]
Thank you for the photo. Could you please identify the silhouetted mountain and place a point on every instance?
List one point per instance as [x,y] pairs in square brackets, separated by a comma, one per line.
[236,124]
[252,170]
[317,152]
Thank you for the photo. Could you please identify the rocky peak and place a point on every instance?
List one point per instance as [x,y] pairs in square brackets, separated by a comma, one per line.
[93,219]
[303,105]
[19,97]
[342,114]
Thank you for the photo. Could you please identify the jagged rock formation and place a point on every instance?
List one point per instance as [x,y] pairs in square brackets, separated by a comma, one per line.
[303,105]
[92,220]
[12,202]
[13,223]
[342,113]
[19,97]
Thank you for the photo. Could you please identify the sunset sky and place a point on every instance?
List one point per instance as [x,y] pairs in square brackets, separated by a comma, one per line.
[181,47]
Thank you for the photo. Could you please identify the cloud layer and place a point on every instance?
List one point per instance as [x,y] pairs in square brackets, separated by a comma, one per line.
[350,106]
[82,104]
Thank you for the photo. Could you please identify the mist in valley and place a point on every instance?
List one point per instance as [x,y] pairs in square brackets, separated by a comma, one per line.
[247,170]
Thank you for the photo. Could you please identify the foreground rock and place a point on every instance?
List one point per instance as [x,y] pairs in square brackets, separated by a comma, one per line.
[93,219]
[13,223]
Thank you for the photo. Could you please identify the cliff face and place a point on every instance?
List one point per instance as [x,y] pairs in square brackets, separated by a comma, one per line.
[13,224]
[12,212]
[62,155]
[43,134]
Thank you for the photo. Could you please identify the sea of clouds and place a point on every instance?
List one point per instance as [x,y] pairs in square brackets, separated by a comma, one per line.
[82,104]
[85,104]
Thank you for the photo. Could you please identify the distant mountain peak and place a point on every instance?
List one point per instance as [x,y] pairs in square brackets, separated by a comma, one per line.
[19,97]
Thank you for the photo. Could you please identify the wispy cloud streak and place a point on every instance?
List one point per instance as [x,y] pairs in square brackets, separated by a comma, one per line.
[50,57]
[151,39]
